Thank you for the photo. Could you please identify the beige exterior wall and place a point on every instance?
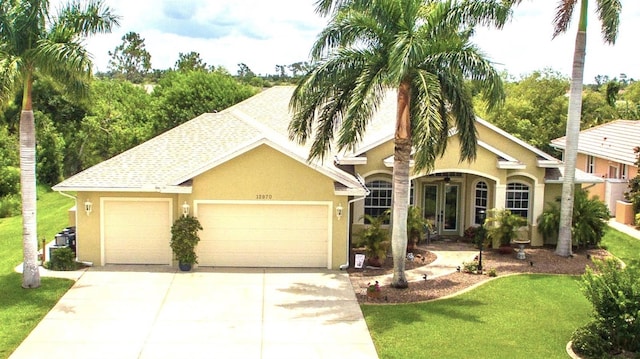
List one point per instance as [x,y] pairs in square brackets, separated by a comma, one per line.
[262,174]
[265,174]
[485,168]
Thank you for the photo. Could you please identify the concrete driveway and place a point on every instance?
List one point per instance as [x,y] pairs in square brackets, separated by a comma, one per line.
[156,312]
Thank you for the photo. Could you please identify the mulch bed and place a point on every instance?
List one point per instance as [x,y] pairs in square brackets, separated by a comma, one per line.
[539,260]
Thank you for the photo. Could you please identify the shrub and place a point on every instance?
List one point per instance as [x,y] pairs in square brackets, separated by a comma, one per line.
[9,180]
[9,206]
[470,267]
[492,272]
[374,238]
[589,342]
[589,220]
[184,239]
[476,234]
[416,224]
[63,259]
[614,293]
[502,226]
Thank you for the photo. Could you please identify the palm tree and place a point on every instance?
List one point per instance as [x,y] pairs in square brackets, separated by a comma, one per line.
[419,48]
[32,42]
[609,14]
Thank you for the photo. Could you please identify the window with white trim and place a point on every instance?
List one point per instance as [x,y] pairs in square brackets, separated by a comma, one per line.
[518,199]
[481,198]
[379,198]
[591,164]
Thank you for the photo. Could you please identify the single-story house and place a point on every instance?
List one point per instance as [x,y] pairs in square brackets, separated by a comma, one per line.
[607,151]
[262,204]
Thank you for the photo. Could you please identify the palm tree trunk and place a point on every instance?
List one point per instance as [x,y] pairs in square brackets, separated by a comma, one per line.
[31,273]
[563,248]
[402,155]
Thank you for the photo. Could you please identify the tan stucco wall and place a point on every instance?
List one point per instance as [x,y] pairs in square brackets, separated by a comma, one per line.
[485,167]
[255,175]
[265,174]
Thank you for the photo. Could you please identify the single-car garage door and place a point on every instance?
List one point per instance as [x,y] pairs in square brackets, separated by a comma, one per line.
[136,231]
[263,235]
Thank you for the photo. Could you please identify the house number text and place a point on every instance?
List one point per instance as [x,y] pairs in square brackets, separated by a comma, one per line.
[263,196]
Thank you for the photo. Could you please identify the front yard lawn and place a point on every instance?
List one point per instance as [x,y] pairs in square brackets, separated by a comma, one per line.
[622,246]
[22,309]
[521,316]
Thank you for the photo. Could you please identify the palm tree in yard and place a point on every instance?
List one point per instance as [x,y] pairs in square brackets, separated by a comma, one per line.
[609,14]
[419,48]
[33,42]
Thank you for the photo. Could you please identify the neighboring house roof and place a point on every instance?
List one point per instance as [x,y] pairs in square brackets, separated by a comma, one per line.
[613,141]
[167,162]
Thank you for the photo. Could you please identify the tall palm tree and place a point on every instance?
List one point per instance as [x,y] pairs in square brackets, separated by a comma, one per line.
[419,48]
[609,14]
[33,42]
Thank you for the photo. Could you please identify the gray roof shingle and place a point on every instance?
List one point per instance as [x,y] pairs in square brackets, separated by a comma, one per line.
[614,141]
[200,144]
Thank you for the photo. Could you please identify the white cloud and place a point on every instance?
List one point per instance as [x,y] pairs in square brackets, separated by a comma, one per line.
[263,34]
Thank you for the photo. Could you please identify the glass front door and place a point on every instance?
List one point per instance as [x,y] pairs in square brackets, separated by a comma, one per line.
[441,206]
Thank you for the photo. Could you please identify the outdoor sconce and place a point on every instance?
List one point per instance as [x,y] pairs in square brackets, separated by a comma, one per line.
[447,180]
[88,207]
[185,209]
[339,211]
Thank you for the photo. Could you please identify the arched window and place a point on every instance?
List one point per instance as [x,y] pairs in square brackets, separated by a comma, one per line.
[481,198]
[518,199]
[379,200]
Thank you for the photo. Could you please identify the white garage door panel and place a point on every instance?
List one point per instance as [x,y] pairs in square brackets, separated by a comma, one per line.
[263,235]
[137,232]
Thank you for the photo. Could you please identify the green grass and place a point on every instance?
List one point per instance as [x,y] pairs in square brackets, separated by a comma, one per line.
[622,246]
[524,316]
[22,309]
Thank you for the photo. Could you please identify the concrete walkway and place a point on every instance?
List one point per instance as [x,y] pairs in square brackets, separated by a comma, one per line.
[449,255]
[156,312]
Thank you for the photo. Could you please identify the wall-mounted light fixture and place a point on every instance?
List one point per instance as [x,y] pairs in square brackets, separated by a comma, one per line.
[339,211]
[447,180]
[88,207]
[185,209]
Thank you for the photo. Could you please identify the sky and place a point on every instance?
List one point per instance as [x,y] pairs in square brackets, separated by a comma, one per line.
[263,34]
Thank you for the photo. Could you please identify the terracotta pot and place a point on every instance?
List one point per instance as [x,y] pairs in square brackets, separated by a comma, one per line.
[374,294]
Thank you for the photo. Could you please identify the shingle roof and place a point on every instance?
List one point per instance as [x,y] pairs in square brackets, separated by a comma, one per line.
[614,141]
[164,162]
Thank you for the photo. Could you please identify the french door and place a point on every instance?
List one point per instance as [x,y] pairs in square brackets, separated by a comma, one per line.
[441,202]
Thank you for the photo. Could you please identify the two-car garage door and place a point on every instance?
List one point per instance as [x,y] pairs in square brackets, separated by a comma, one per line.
[264,234]
[245,234]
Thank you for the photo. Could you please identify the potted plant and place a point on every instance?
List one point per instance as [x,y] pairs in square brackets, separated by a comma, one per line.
[374,239]
[184,238]
[373,290]
[502,227]
[416,224]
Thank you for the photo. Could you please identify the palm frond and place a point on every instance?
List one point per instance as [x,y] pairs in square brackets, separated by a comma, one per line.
[347,28]
[9,75]
[69,61]
[427,120]
[81,19]
[609,15]
[562,19]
